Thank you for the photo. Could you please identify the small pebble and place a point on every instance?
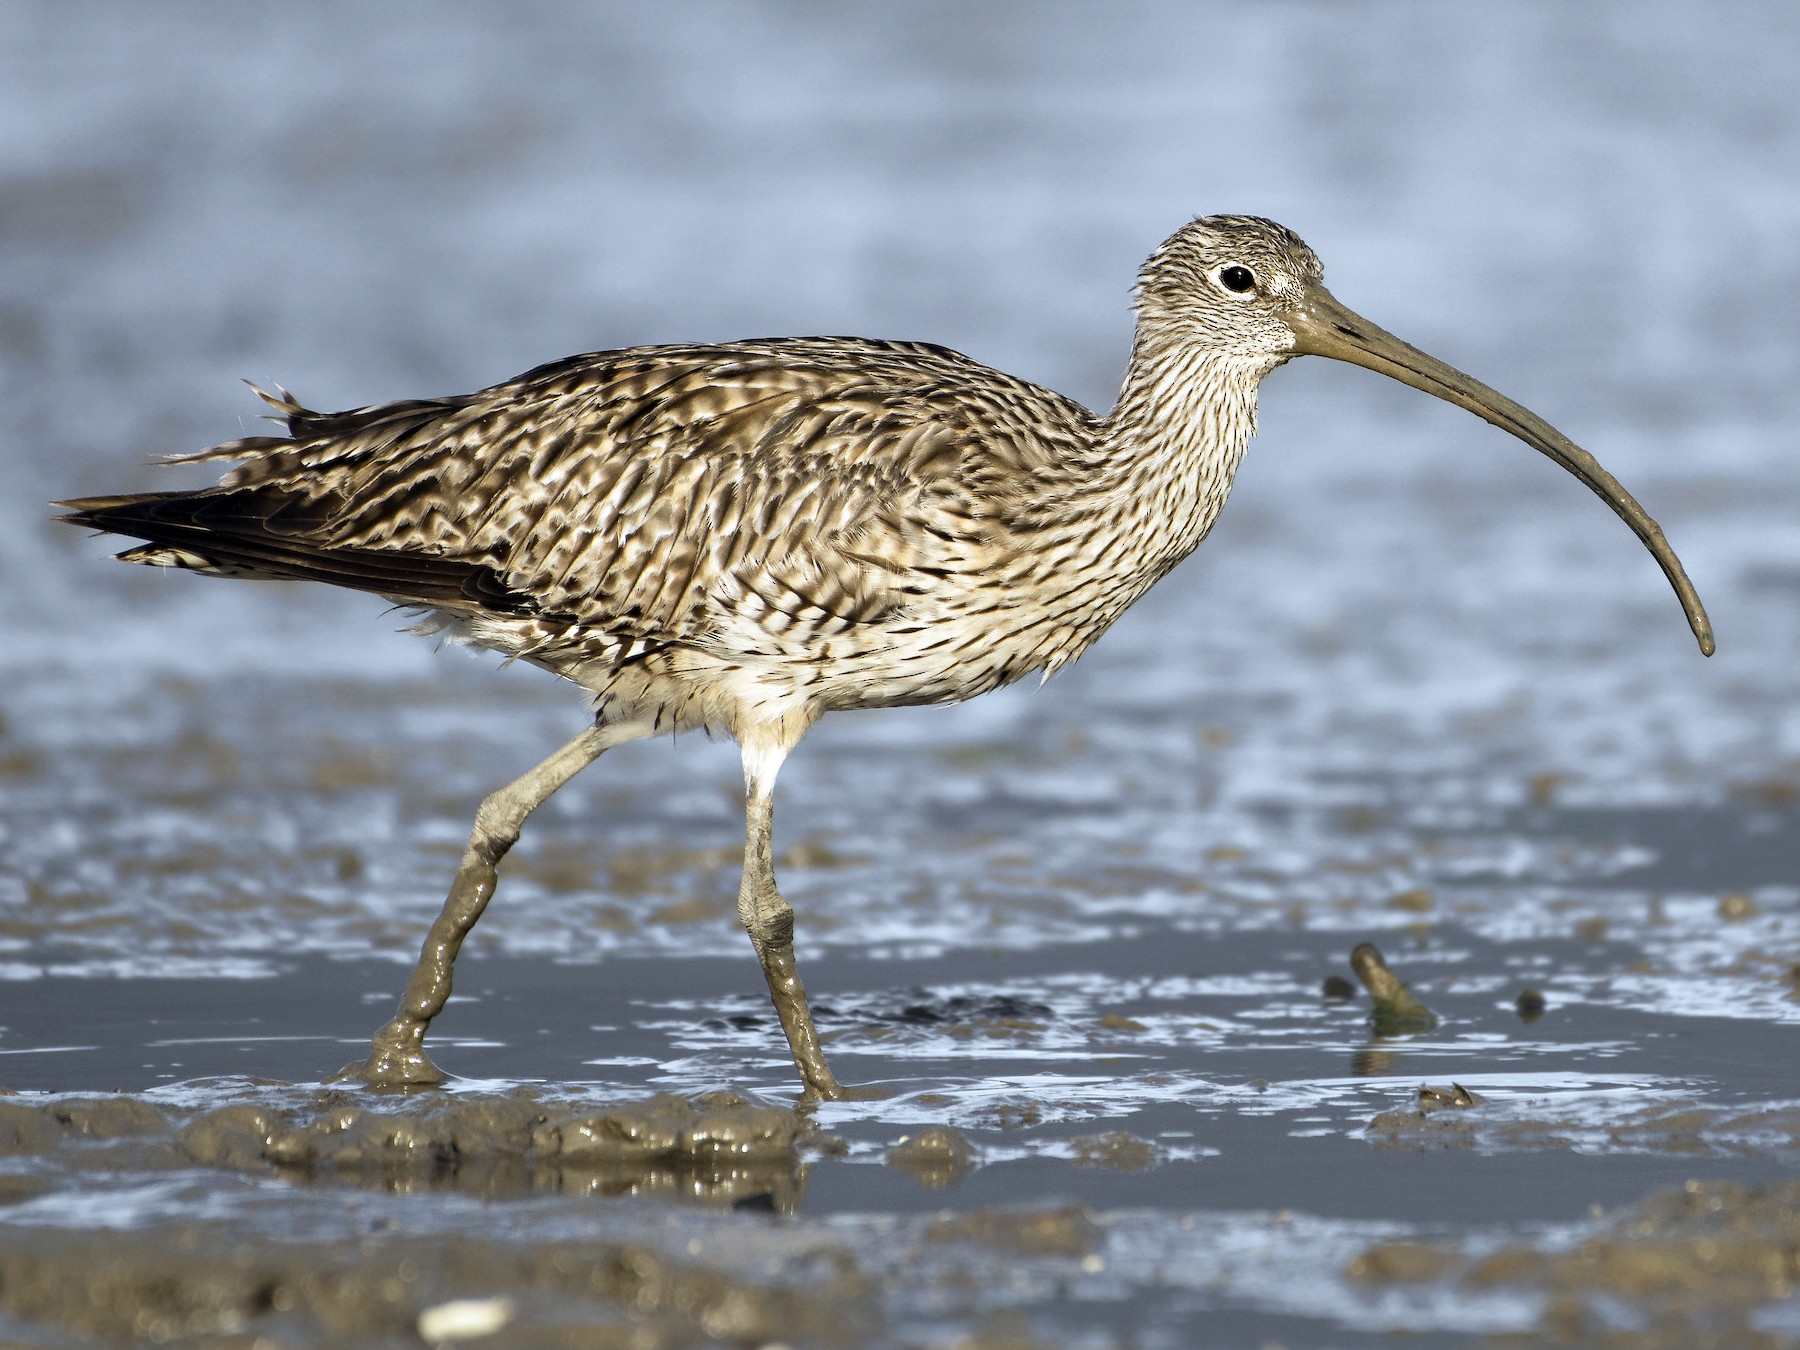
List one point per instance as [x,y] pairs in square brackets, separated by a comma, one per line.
[463,1319]
[1737,907]
[1419,900]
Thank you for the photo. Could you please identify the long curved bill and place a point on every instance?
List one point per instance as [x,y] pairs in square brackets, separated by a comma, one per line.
[1323,327]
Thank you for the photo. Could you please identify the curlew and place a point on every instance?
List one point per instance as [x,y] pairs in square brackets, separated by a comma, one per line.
[746,536]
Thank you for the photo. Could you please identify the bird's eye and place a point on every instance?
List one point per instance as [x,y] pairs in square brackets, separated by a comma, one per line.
[1236,278]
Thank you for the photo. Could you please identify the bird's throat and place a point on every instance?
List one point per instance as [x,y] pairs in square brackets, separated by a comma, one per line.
[1171,448]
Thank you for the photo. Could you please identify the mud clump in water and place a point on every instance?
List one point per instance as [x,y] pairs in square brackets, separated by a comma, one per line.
[340,1136]
[1119,1151]
[1012,1115]
[1118,1022]
[937,1157]
[29,1128]
[718,1125]
[1069,1231]
[26,1129]
[1435,1121]
[104,1132]
[720,1148]
[1401,1263]
[1689,1267]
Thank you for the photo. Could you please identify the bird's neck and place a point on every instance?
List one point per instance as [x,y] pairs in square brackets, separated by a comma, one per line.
[1139,494]
[1172,444]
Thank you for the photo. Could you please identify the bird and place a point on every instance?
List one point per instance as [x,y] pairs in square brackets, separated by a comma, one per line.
[745,536]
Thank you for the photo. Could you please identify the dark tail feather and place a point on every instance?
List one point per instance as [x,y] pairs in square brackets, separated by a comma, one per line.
[248,535]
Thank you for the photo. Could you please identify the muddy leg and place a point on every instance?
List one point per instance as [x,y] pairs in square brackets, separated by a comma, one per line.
[769,919]
[397,1056]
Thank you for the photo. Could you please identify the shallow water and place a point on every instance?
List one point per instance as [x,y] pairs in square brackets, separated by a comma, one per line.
[1418,690]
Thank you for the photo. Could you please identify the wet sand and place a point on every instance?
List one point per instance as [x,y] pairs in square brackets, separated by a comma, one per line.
[1116,1107]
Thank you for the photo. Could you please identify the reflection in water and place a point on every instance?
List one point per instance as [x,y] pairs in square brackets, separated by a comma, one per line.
[937,1157]
[1375,1060]
[720,1150]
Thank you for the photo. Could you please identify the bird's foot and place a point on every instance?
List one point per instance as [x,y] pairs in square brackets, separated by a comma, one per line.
[396,1059]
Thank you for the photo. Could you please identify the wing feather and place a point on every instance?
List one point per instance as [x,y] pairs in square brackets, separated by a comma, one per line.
[647,491]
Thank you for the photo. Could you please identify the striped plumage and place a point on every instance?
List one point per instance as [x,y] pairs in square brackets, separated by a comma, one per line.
[745,536]
[845,523]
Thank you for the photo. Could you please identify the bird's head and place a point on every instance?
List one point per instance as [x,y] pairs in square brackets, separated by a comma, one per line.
[1250,292]
[1224,284]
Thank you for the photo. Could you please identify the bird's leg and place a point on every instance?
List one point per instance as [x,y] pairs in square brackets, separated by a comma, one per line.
[397,1056]
[769,919]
